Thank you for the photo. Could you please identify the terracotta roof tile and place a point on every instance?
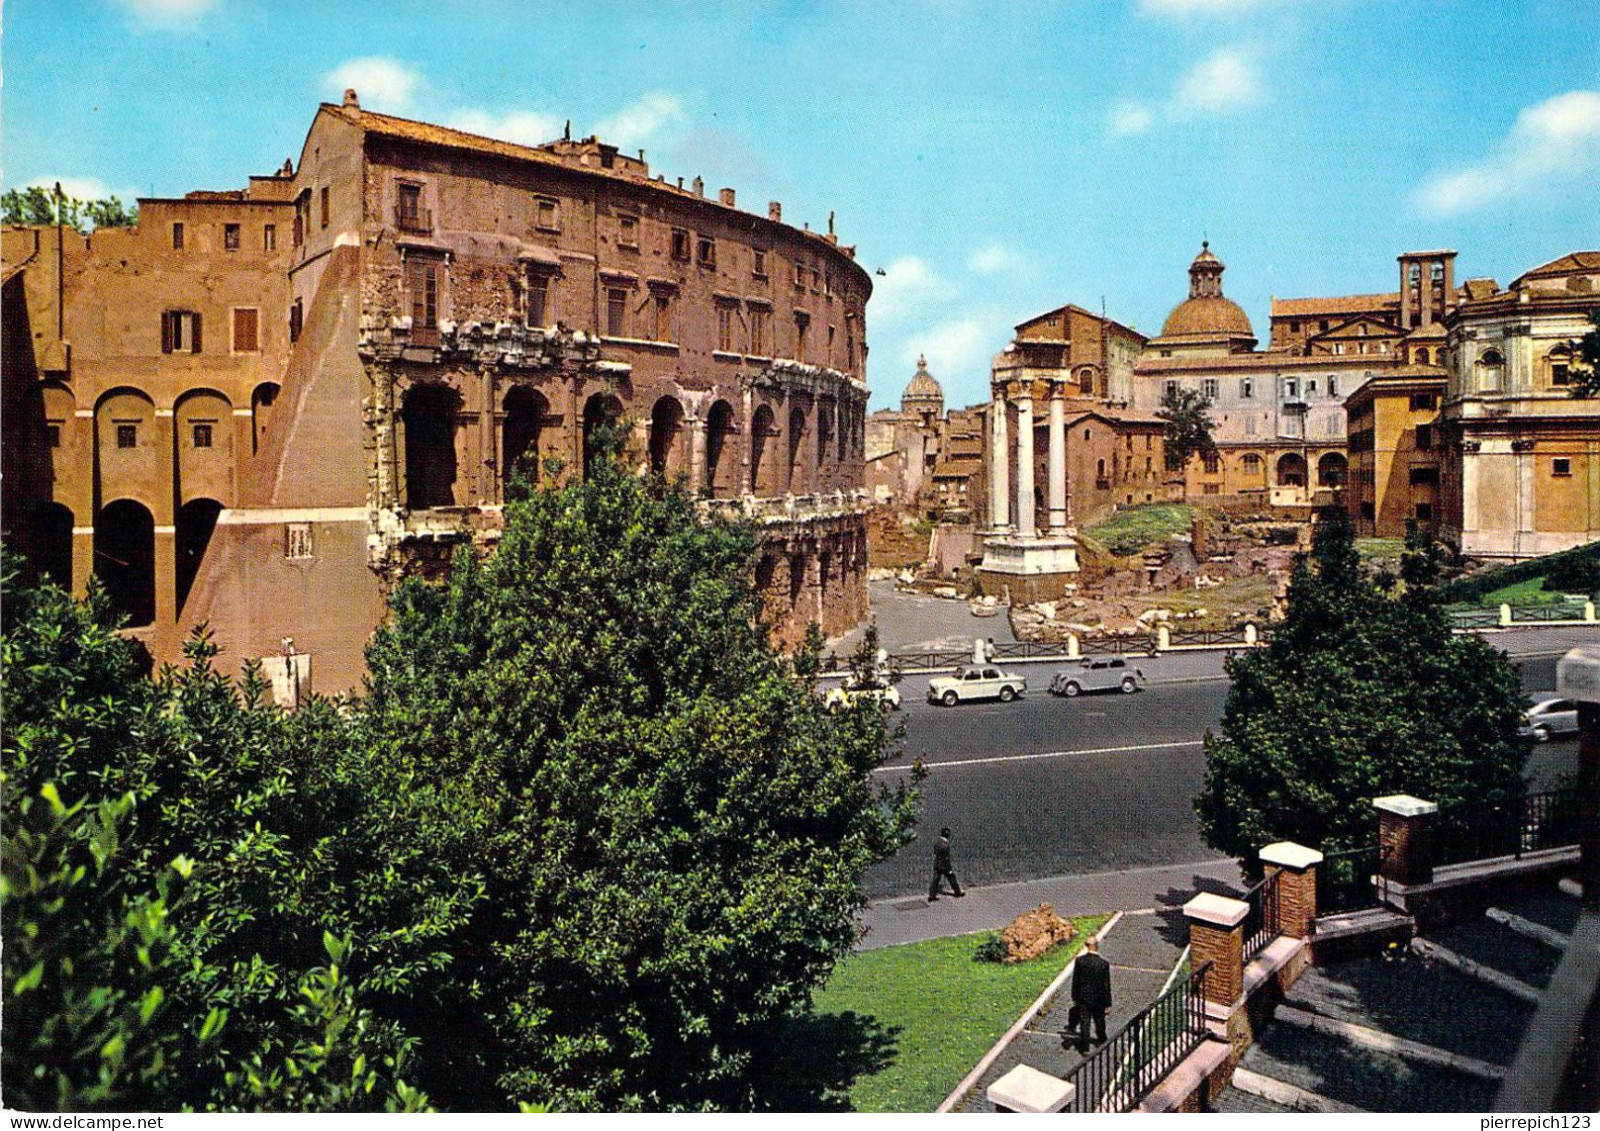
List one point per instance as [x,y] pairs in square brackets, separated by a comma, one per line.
[1338,304]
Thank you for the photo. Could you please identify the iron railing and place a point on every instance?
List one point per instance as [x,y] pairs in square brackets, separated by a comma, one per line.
[1136,1058]
[1350,880]
[1260,924]
[1527,824]
[1474,618]
[1555,610]
[1208,636]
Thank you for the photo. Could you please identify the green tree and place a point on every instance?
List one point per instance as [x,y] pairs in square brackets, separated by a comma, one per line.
[1356,697]
[671,830]
[1585,366]
[39,205]
[1189,425]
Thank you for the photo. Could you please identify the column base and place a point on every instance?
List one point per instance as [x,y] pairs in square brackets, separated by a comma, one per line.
[1034,556]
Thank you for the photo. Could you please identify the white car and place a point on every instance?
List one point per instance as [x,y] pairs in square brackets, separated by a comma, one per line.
[837,698]
[976,683]
[1548,717]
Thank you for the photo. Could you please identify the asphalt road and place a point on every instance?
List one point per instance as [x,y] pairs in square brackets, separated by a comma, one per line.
[1046,786]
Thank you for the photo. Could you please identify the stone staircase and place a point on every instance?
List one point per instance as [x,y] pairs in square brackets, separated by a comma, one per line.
[1430,1027]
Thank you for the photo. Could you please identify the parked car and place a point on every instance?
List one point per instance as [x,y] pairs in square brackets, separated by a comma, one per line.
[1105,674]
[976,683]
[1547,717]
[849,693]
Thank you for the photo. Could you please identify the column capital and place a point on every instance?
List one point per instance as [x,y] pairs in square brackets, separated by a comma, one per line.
[1216,910]
[1404,805]
[1287,854]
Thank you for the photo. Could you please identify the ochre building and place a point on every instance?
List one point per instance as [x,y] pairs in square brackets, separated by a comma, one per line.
[260,409]
[1393,424]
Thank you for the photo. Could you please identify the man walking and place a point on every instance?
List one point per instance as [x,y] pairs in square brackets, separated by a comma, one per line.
[1091,996]
[942,869]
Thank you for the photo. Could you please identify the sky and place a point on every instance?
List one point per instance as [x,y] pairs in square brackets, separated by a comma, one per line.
[989,160]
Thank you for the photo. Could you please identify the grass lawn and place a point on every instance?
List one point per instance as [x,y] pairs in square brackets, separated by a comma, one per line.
[1133,528]
[1238,596]
[1370,548]
[896,1029]
[1529,592]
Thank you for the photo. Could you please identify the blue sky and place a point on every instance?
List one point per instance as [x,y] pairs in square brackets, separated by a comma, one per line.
[993,159]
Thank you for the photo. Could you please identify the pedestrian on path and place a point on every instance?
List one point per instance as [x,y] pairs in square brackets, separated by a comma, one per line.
[942,869]
[988,651]
[1091,997]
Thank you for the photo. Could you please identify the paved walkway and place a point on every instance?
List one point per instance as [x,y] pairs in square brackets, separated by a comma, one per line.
[909,621]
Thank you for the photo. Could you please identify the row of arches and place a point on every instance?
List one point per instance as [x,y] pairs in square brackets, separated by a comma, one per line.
[796,457]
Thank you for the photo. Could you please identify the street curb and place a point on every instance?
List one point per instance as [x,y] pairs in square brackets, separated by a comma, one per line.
[971,1079]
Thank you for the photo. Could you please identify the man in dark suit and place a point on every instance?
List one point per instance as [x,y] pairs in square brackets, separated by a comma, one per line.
[1091,996]
[942,869]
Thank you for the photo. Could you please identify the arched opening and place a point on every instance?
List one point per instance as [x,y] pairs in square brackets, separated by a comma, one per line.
[430,420]
[763,456]
[261,402]
[766,571]
[520,450]
[1250,465]
[666,438]
[797,439]
[125,559]
[824,572]
[52,543]
[1331,470]
[203,429]
[1292,470]
[719,470]
[825,428]
[196,521]
[797,577]
[601,415]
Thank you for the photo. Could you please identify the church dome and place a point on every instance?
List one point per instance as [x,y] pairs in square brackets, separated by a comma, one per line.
[923,387]
[1206,311]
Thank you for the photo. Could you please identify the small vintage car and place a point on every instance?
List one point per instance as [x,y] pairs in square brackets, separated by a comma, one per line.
[976,683]
[1100,674]
[1549,716]
[849,693]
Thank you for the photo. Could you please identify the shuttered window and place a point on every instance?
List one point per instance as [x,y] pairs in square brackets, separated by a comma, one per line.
[246,323]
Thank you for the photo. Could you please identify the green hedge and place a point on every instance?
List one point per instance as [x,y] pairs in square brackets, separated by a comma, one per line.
[1572,571]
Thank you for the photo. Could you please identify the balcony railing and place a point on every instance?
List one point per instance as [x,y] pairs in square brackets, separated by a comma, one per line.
[418,220]
[1139,1056]
[1261,920]
[1350,880]
[1528,824]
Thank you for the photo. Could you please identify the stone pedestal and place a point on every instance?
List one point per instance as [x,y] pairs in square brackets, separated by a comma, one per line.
[1296,869]
[1405,838]
[1031,569]
[1216,935]
[1026,1089]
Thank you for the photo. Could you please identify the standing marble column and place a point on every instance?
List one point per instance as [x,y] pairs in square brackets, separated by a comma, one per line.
[1058,464]
[1026,524]
[999,467]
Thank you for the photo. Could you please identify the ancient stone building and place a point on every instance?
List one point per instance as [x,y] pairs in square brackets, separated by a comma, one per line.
[1393,425]
[342,368]
[903,446]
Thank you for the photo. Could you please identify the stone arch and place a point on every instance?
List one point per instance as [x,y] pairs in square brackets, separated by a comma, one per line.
[522,445]
[52,543]
[203,419]
[602,413]
[667,438]
[129,461]
[125,559]
[430,416]
[799,561]
[1291,470]
[827,415]
[196,520]
[720,471]
[262,399]
[797,441]
[1250,465]
[1331,470]
[763,452]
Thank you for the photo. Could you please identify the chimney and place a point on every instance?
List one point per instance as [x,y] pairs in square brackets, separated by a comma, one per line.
[350,100]
[726,196]
[775,210]
[680,182]
[699,186]
[641,155]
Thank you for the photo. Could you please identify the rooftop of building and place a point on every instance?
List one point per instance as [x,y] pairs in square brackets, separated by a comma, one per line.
[1336,304]
[923,385]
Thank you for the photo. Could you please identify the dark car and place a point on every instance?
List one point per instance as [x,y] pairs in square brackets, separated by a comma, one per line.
[1113,673]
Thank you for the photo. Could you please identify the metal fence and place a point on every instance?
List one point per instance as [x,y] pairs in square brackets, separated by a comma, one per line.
[1527,824]
[1260,924]
[1139,1055]
[1213,637]
[1350,880]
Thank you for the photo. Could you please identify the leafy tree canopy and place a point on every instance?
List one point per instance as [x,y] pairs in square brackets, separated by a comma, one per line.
[1189,424]
[1585,366]
[1356,697]
[37,205]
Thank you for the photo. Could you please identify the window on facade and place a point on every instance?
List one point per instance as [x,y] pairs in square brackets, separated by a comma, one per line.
[1247,388]
[549,218]
[200,433]
[725,328]
[177,237]
[1208,388]
[1171,389]
[1252,463]
[1294,327]
[1561,467]
[1368,510]
[1211,488]
[802,328]
[52,435]
[538,299]
[1333,386]
[706,251]
[1213,463]
[1423,402]
[1250,425]
[850,344]
[1291,388]
[680,243]
[1560,373]
[1172,461]
[230,237]
[617,312]
[1424,437]
[1424,476]
[180,331]
[663,311]
[758,331]
[409,215]
[758,265]
[296,318]
[1322,326]
[628,231]
[1424,512]
[422,289]
[1311,386]
[246,329]
[269,238]
[325,209]
[127,435]
[799,277]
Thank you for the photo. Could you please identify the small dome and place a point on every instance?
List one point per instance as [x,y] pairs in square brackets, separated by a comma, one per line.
[923,386]
[1211,314]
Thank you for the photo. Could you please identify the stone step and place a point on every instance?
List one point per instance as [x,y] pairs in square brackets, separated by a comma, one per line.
[1379,1040]
[1237,1101]
[1488,975]
[1289,1097]
[1538,932]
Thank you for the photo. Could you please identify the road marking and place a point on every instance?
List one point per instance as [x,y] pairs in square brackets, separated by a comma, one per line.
[1051,754]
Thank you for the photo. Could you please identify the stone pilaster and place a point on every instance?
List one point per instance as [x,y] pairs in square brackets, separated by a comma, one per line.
[1216,935]
[1296,869]
[1405,838]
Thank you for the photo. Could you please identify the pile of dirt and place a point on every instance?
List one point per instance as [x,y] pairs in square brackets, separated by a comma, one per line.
[1034,932]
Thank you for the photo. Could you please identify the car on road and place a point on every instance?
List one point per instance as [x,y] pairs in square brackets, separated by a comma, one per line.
[1101,674]
[1548,717]
[849,693]
[976,683]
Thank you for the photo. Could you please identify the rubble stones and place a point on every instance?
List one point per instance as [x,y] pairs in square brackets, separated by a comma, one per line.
[1034,932]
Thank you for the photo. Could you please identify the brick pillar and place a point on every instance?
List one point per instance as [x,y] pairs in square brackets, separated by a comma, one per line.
[1296,868]
[1405,838]
[1216,935]
[1578,677]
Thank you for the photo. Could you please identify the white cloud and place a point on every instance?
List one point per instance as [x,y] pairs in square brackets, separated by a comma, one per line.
[1552,145]
[643,122]
[1183,9]
[526,127]
[906,287]
[1129,116]
[1223,82]
[380,82]
[85,188]
[167,15]
[994,259]
[956,349]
